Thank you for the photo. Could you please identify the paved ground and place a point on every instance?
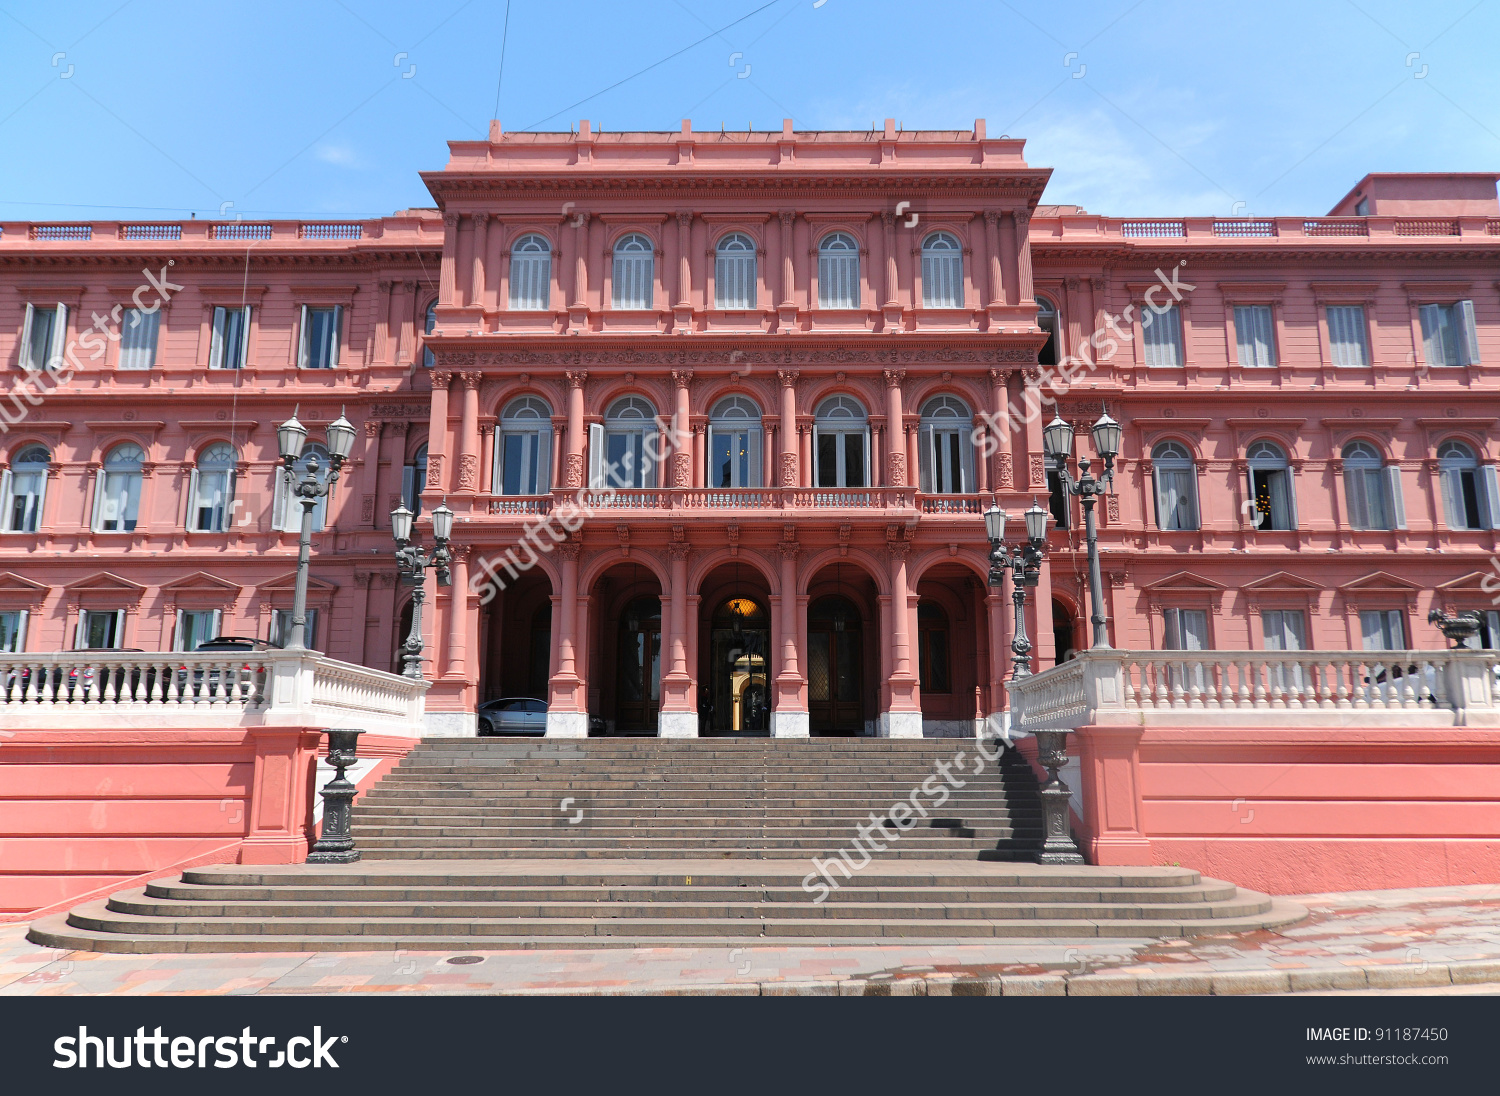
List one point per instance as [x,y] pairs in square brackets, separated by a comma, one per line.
[1443,939]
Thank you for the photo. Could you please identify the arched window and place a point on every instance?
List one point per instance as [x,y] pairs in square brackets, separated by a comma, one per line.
[1271,487]
[734,444]
[531,273]
[413,480]
[841,443]
[734,273]
[945,451]
[523,448]
[838,271]
[211,492]
[118,502]
[1372,489]
[634,271]
[1046,319]
[942,271]
[932,648]
[1470,500]
[623,452]
[22,491]
[429,321]
[288,505]
[1176,486]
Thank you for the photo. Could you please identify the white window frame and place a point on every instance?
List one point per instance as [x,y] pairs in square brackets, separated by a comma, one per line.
[221,325]
[838,271]
[1255,335]
[627,421]
[633,273]
[942,271]
[205,473]
[8,492]
[140,332]
[55,338]
[22,616]
[81,631]
[216,625]
[1451,471]
[1348,335]
[531,274]
[102,483]
[1281,632]
[1161,337]
[286,506]
[1269,465]
[1372,490]
[308,355]
[736,273]
[947,425]
[839,427]
[1382,629]
[1449,334]
[1184,470]
[535,429]
[281,628]
[731,419]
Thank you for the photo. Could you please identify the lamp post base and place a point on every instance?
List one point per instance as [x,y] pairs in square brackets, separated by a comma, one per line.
[1057,846]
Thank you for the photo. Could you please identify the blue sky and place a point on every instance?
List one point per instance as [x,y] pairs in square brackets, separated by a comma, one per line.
[330,107]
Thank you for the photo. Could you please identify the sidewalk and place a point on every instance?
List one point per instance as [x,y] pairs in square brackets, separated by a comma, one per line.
[1359,941]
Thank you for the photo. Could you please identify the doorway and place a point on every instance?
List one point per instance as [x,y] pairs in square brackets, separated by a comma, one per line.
[1062,632]
[835,667]
[739,695]
[638,680]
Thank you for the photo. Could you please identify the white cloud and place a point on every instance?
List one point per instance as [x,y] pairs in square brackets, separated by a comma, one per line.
[340,155]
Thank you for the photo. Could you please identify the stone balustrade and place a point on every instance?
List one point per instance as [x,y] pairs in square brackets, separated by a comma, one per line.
[124,689]
[1260,688]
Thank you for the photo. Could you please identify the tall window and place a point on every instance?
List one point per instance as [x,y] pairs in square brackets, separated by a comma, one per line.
[195,626]
[1284,629]
[288,505]
[212,490]
[1469,491]
[1383,630]
[734,273]
[841,444]
[734,444]
[1185,629]
[231,339]
[1346,334]
[1176,486]
[413,480]
[118,502]
[319,345]
[945,453]
[932,648]
[1449,336]
[942,271]
[22,489]
[100,629]
[281,629]
[531,273]
[1271,487]
[838,271]
[634,273]
[1047,320]
[42,335]
[623,451]
[138,332]
[1161,333]
[1254,336]
[13,631]
[1059,502]
[523,454]
[429,322]
[1373,490]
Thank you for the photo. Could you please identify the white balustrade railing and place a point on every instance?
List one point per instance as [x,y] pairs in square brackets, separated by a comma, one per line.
[82,689]
[1280,688]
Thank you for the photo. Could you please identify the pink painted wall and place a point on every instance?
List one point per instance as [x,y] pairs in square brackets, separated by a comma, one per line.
[1295,811]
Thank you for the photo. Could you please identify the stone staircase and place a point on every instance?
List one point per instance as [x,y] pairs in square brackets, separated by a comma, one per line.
[495,845]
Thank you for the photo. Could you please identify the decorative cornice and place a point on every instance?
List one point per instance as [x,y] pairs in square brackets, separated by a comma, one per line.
[906,355]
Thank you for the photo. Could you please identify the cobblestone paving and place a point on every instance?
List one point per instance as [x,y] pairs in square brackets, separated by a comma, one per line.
[1371,941]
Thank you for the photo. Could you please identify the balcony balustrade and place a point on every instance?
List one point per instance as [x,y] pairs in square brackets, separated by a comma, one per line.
[733,499]
[1261,688]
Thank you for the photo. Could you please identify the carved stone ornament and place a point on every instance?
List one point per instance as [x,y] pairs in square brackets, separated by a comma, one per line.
[789,469]
[435,470]
[575,470]
[468,471]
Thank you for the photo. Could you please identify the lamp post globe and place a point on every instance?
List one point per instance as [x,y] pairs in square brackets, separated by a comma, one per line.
[1036,523]
[994,524]
[340,437]
[442,522]
[289,438]
[401,519]
[1107,433]
[1057,440]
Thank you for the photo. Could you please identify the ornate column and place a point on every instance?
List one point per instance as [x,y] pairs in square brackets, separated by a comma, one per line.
[481,247]
[895,426]
[567,716]
[1023,257]
[682,455]
[677,719]
[405,306]
[486,457]
[789,718]
[788,379]
[448,275]
[1031,403]
[437,431]
[369,474]
[805,435]
[456,667]
[468,438]
[992,246]
[573,477]
[1000,399]
[904,719]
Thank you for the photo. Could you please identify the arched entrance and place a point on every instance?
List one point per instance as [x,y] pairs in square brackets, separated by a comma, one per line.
[516,654]
[638,667]
[625,651]
[835,667]
[738,698]
[1064,631]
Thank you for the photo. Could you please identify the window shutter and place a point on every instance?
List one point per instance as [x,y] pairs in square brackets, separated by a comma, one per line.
[1432,333]
[1491,502]
[544,461]
[1468,338]
[652,454]
[98,520]
[59,334]
[1290,486]
[192,511]
[1398,500]
[23,618]
[216,347]
[303,339]
[926,458]
[26,362]
[1250,512]
[966,456]
[6,504]
[1453,508]
[1358,514]
[596,455]
[337,336]
[757,458]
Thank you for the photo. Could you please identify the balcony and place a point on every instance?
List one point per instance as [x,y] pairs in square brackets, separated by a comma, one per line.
[750,500]
[129,690]
[1261,689]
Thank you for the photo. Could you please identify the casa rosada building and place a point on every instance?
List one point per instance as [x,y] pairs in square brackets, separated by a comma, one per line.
[719,414]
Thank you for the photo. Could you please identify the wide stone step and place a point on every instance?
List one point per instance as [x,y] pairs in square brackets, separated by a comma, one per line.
[399,851]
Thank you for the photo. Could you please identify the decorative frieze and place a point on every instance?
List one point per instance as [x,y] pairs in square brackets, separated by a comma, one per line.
[656,359]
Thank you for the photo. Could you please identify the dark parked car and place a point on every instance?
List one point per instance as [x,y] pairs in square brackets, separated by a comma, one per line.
[223,645]
[513,715]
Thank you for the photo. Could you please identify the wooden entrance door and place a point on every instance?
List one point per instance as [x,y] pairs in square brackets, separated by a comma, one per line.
[835,668]
[638,682]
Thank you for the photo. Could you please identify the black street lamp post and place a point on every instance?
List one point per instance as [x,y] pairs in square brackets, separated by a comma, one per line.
[1057,440]
[412,563]
[290,436]
[336,843]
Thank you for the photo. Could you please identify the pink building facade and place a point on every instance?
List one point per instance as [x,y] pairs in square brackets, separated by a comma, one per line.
[719,413]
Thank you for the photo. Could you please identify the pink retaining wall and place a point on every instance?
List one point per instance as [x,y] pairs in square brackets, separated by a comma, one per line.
[82,811]
[1295,811]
